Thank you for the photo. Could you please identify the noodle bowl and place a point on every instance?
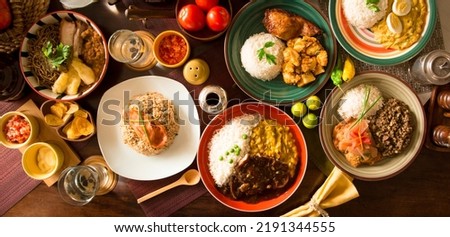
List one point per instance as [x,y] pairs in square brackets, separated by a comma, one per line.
[87,60]
[42,70]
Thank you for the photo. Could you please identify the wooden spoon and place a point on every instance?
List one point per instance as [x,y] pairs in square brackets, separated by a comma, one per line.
[191,177]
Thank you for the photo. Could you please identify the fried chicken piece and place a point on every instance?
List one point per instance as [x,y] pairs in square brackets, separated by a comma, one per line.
[286,25]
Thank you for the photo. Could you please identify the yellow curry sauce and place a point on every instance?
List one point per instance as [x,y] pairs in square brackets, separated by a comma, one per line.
[413,26]
[272,140]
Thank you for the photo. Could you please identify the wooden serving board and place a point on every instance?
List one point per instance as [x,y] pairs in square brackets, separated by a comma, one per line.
[436,117]
[48,134]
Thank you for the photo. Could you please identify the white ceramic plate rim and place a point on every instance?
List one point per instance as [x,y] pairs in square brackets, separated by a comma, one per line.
[127,162]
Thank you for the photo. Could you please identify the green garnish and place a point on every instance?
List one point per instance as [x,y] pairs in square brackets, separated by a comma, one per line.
[244,136]
[271,59]
[372,5]
[365,108]
[56,55]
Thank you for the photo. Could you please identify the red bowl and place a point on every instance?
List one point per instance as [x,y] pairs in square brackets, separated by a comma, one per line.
[268,112]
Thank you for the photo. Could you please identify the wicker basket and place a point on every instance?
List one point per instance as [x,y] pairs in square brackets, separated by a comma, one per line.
[25,14]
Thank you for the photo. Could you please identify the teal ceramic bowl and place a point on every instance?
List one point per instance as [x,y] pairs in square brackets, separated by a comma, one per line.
[247,22]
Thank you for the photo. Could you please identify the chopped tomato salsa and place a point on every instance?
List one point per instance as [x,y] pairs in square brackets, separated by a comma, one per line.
[17,129]
[172,49]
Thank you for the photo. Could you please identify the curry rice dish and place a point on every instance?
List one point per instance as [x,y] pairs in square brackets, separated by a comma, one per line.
[252,158]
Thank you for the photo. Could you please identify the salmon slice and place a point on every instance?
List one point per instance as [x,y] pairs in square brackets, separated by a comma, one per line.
[152,133]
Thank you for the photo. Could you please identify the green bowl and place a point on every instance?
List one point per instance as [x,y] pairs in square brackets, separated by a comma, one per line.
[247,22]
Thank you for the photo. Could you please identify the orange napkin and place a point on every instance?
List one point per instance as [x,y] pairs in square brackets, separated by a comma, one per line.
[337,189]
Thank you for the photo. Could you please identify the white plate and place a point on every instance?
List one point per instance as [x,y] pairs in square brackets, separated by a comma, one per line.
[123,159]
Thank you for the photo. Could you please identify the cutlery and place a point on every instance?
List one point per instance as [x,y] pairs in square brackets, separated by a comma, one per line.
[191,177]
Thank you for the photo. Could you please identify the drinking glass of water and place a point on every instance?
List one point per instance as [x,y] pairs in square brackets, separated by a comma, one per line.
[78,185]
[133,48]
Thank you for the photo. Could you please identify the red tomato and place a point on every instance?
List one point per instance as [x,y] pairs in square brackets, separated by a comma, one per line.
[217,18]
[205,5]
[5,15]
[191,17]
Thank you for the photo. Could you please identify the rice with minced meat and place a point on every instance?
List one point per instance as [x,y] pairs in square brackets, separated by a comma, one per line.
[160,110]
[262,69]
[359,15]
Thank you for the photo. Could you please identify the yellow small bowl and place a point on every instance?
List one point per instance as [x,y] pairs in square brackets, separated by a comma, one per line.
[157,44]
[41,160]
[31,120]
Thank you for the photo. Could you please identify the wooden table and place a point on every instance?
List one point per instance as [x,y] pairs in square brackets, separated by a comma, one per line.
[421,190]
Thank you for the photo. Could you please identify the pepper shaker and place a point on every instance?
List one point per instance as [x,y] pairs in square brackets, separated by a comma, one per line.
[441,135]
[443,99]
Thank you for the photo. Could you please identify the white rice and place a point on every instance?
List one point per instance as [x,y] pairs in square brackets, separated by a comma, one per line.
[352,102]
[221,160]
[359,15]
[262,69]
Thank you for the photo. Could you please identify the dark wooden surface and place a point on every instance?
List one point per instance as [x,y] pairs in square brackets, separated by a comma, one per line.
[421,190]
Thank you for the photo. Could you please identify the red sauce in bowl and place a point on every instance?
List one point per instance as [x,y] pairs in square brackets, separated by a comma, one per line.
[172,49]
[17,129]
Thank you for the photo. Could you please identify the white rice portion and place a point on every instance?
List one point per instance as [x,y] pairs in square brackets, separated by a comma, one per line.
[352,101]
[262,70]
[359,15]
[221,160]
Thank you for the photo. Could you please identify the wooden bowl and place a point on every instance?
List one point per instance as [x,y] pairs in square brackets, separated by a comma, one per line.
[72,107]
[61,130]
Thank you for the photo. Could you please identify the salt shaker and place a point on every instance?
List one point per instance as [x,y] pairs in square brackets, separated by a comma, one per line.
[432,68]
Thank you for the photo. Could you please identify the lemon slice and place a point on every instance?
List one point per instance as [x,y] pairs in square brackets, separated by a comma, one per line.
[401,7]
[394,24]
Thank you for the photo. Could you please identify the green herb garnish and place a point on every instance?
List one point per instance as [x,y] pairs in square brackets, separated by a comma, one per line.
[271,59]
[56,55]
[373,5]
